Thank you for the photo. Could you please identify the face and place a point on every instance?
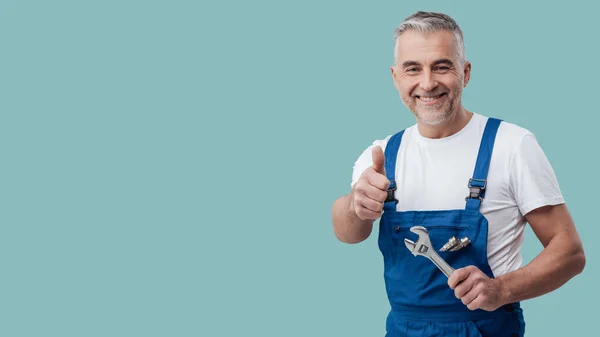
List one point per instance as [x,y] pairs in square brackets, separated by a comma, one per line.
[429,75]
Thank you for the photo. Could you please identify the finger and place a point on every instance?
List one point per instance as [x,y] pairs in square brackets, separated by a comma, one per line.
[366,214]
[475,304]
[378,160]
[376,194]
[457,276]
[469,296]
[379,181]
[371,205]
[464,287]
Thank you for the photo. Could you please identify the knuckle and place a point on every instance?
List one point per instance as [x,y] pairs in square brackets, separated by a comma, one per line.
[382,196]
[386,184]
[481,287]
[364,216]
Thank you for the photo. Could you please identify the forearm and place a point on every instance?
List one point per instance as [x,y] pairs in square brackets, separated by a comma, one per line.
[347,226]
[552,268]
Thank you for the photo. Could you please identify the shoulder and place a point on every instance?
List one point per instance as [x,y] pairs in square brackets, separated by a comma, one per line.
[512,132]
[515,145]
[510,135]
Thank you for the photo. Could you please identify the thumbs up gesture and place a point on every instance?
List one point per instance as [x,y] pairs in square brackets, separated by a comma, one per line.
[370,191]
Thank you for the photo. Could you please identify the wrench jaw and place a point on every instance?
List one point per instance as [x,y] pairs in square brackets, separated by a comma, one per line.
[417,248]
[423,244]
[411,246]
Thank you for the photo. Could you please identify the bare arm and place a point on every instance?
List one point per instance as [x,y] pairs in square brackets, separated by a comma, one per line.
[562,258]
[347,226]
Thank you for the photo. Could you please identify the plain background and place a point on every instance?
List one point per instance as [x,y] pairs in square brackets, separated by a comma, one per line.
[168,167]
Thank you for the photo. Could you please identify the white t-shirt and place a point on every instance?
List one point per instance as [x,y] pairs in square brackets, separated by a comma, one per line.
[432,174]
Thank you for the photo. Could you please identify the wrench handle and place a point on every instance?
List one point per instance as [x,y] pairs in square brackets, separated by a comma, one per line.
[441,264]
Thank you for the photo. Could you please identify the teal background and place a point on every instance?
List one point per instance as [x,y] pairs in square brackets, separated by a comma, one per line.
[168,167]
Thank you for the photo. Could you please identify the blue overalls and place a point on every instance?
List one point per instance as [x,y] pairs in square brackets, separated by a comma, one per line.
[422,303]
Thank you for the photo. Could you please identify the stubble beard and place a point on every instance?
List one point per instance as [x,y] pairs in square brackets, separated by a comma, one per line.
[436,114]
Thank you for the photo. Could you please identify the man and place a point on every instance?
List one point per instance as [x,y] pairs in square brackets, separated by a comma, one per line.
[460,175]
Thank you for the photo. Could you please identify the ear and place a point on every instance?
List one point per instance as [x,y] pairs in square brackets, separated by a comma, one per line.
[394,77]
[467,73]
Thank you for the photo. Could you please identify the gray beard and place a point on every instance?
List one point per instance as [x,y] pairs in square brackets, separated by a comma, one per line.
[434,119]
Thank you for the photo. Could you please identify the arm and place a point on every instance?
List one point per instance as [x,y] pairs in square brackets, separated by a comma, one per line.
[347,226]
[562,258]
[537,194]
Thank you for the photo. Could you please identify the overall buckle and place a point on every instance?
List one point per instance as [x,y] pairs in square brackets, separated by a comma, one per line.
[390,192]
[476,187]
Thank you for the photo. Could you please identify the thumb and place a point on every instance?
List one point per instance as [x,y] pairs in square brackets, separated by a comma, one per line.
[378,160]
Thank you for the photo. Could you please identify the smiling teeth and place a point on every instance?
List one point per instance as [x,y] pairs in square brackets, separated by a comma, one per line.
[430,99]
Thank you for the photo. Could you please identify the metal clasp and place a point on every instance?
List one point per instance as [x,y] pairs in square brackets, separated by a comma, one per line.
[476,187]
[390,192]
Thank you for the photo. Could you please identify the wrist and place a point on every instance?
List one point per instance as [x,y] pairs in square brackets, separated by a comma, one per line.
[504,291]
[351,208]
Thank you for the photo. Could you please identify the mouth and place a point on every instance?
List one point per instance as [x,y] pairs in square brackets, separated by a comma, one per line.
[429,99]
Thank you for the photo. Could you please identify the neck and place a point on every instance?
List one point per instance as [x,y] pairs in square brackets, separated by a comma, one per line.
[450,126]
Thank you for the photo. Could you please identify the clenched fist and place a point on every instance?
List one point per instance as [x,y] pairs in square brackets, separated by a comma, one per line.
[370,191]
[475,289]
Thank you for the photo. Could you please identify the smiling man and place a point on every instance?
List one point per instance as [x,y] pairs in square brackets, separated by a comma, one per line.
[472,183]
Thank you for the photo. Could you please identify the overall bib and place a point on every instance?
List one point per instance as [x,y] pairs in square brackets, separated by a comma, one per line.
[422,303]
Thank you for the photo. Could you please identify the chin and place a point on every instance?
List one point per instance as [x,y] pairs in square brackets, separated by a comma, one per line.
[432,118]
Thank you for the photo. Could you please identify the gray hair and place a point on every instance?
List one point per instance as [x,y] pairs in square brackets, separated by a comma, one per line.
[426,22]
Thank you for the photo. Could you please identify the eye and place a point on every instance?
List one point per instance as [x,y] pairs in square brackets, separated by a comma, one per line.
[442,68]
[411,70]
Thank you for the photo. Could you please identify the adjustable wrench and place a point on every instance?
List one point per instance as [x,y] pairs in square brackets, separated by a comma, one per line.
[423,247]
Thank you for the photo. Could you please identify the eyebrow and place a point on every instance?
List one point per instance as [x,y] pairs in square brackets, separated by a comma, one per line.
[447,61]
[410,63]
[435,63]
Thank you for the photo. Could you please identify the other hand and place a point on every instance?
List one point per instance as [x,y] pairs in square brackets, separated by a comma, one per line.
[475,289]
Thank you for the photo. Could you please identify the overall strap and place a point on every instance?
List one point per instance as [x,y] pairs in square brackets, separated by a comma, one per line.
[478,183]
[391,153]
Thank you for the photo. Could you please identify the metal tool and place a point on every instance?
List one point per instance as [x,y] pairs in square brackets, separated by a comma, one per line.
[455,244]
[452,242]
[463,243]
[423,248]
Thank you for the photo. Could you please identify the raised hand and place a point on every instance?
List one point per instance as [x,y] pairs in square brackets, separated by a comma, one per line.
[370,191]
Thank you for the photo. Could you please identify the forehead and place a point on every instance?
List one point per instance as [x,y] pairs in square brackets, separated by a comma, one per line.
[426,47]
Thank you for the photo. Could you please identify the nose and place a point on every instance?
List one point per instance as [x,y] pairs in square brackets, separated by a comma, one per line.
[427,82]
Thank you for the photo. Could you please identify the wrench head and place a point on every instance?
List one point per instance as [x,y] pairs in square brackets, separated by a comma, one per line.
[423,244]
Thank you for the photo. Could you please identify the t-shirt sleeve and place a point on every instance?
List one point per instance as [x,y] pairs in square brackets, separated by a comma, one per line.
[365,160]
[362,163]
[532,178]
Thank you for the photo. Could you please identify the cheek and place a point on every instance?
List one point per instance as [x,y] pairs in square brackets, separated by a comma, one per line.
[405,87]
[453,84]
